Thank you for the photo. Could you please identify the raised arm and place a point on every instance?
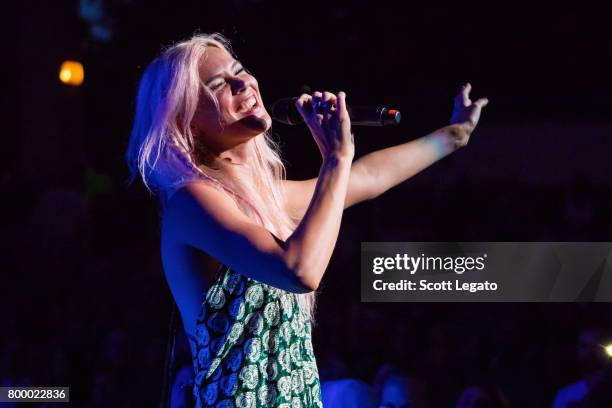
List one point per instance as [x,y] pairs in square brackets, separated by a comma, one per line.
[376,172]
[205,218]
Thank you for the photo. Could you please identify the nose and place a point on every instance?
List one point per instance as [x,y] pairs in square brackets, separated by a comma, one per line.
[238,85]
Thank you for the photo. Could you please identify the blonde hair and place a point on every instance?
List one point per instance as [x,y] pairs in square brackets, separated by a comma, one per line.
[164,152]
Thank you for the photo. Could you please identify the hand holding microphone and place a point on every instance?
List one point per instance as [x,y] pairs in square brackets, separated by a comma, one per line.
[328,120]
[284,111]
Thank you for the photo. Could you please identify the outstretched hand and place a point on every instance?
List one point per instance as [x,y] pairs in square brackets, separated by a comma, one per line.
[465,112]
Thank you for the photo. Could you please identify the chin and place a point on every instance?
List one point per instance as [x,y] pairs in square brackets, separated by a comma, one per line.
[255,124]
[268,119]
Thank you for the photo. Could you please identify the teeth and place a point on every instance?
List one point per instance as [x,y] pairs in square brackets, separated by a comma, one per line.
[248,104]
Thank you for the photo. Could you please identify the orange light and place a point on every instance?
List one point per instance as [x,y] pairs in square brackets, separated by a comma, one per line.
[72,73]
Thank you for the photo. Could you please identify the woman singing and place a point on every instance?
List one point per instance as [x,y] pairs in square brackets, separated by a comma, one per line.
[243,248]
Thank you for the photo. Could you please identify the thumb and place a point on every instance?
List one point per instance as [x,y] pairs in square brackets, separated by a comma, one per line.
[482,102]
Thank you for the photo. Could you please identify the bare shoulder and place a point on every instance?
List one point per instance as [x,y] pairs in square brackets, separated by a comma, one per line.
[205,218]
[199,202]
[197,190]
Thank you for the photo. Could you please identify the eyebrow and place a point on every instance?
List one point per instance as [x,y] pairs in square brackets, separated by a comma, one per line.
[212,78]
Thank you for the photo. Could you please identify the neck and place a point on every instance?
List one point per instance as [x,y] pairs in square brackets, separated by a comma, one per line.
[216,156]
[236,161]
[237,155]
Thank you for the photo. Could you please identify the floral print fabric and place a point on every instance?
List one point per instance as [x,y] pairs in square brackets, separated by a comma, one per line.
[252,348]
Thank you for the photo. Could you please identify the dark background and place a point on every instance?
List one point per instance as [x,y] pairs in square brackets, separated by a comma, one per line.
[84,299]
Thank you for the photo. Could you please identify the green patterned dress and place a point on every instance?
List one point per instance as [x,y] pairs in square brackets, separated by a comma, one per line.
[252,347]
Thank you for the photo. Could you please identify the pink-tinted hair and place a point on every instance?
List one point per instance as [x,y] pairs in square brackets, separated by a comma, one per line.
[162,147]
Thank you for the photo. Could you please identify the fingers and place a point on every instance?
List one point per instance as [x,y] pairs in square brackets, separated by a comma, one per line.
[329,101]
[341,104]
[316,100]
[343,116]
[300,104]
[319,108]
[482,102]
[327,118]
[465,94]
[463,98]
[308,105]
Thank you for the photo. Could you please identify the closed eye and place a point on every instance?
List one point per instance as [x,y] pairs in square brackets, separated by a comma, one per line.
[218,85]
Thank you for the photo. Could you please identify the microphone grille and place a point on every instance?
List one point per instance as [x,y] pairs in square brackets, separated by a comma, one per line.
[284,111]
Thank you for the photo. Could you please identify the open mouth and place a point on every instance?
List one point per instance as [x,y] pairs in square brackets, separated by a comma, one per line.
[249,105]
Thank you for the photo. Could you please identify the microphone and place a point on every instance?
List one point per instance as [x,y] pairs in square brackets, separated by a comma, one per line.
[284,111]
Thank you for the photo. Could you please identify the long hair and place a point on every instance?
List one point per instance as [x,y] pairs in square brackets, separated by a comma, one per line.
[165,154]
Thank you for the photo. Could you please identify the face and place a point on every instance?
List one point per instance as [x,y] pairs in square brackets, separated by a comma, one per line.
[241,114]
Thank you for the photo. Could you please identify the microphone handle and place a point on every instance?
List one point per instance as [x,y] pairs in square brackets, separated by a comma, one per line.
[381,116]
